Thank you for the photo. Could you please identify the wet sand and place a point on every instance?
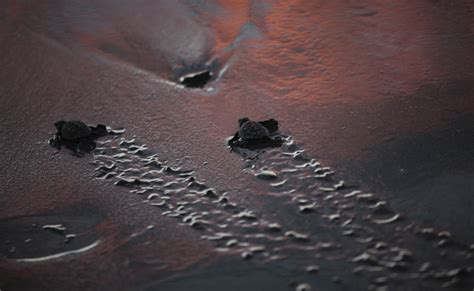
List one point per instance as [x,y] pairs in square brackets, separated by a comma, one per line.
[381,93]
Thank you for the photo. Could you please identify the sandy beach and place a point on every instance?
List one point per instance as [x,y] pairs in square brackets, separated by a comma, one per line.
[372,188]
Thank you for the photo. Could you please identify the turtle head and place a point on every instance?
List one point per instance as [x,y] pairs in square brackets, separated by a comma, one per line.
[243,120]
[59,124]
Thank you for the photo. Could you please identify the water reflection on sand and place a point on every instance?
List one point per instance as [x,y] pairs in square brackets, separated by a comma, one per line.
[380,92]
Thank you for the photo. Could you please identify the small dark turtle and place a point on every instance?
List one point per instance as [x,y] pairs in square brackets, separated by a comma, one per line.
[252,129]
[73,130]
[76,136]
[255,135]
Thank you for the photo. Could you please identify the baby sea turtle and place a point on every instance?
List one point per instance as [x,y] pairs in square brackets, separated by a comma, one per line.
[251,130]
[76,136]
[72,130]
[256,134]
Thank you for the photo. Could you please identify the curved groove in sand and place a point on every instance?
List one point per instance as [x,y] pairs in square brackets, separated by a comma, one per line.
[59,255]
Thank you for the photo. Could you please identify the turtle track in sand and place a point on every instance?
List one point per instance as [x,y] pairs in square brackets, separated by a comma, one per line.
[335,221]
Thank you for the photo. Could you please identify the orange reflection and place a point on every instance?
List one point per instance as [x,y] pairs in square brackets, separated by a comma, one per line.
[364,69]
[228,24]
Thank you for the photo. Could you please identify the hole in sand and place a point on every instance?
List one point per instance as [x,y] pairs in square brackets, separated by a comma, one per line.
[196,80]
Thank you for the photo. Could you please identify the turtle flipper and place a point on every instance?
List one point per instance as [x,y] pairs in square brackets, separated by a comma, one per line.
[271,125]
[98,131]
[55,141]
[234,139]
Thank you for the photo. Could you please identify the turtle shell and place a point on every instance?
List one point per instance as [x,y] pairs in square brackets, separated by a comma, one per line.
[74,130]
[253,130]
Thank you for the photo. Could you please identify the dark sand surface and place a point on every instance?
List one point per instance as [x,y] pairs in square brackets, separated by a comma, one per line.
[380,92]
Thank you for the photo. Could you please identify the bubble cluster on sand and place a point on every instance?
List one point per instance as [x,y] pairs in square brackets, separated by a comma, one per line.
[341,222]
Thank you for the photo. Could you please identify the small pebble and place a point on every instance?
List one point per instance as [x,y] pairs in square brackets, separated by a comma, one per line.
[274,227]
[425,267]
[312,269]
[266,175]
[381,280]
[297,236]
[247,255]
[303,287]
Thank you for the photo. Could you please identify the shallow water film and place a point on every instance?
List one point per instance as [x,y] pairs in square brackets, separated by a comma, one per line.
[368,183]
